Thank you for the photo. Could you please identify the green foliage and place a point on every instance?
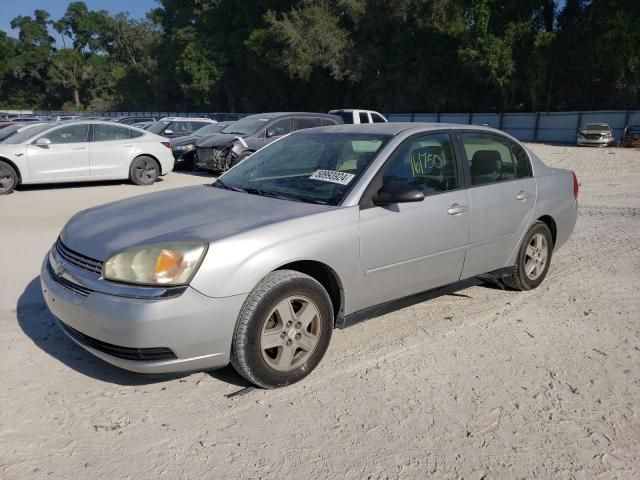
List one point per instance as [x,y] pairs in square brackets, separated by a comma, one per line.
[392,55]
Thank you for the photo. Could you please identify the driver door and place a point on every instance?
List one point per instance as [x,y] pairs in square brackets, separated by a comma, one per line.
[407,248]
[67,156]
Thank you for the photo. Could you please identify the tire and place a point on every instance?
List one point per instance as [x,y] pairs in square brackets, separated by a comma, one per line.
[239,158]
[144,170]
[263,321]
[8,178]
[535,252]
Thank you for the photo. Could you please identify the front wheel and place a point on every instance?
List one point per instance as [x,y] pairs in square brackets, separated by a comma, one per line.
[283,330]
[144,171]
[8,178]
[534,259]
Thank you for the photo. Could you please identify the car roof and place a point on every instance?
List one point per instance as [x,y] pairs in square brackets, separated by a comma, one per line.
[394,128]
[198,119]
[271,115]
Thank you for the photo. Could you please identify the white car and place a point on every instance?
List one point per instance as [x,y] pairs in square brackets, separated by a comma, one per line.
[359,116]
[82,151]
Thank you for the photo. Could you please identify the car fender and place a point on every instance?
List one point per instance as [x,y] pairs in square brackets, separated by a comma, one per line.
[235,265]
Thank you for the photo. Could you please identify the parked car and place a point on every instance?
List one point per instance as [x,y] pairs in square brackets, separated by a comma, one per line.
[142,125]
[178,126]
[80,151]
[184,148]
[359,116]
[631,136]
[30,118]
[238,141]
[595,134]
[5,124]
[322,228]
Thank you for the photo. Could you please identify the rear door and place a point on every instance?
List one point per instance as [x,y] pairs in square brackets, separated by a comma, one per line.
[67,156]
[111,150]
[412,247]
[503,195]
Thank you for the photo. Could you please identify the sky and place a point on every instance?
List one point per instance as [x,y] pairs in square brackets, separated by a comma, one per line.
[9,9]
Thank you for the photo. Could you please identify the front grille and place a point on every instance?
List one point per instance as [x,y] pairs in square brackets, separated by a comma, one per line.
[71,286]
[77,259]
[127,353]
[592,136]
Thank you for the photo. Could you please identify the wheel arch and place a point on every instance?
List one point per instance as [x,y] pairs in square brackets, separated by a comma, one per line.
[14,166]
[153,157]
[551,223]
[326,276]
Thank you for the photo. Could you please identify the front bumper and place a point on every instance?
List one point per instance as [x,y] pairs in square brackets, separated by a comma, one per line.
[601,142]
[197,330]
[211,158]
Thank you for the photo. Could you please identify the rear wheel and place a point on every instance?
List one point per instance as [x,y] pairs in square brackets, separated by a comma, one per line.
[534,259]
[283,330]
[8,178]
[144,170]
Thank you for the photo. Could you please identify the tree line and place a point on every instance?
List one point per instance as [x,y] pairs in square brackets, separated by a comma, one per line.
[389,55]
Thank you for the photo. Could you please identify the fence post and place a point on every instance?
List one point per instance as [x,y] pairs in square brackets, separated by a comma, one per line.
[626,119]
[438,117]
[500,120]
[579,122]
[470,118]
[535,128]
[413,116]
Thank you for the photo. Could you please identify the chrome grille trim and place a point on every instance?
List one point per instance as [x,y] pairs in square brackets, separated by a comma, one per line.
[77,259]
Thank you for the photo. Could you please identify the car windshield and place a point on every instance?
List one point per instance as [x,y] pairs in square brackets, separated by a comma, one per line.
[158,127]
[596,126]
[26,132]
[307,167]
[208,130]
[247,125]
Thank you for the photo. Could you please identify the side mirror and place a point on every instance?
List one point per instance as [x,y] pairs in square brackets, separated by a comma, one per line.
[43,141]
[168,132]
[398,192]
[270,133]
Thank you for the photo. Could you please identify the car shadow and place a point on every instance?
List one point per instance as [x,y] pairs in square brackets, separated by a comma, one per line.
[39,325]
[57,186]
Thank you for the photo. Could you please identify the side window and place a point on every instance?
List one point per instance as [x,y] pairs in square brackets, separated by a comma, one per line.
[490,158]
[523,166]
[305,122]
[134,133]
[377,118]
[197,125]
[71,134]
[105,133]
[326,122]
[428,162]
[281,127]
[179,127]
[364,118]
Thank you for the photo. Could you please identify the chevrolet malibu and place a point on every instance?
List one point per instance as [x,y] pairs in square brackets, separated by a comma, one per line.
[321,229]
[82,151]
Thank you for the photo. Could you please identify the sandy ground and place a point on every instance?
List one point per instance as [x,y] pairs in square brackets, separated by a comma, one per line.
[481,385]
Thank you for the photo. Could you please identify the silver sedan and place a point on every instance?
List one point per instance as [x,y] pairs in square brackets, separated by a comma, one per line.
[321,229]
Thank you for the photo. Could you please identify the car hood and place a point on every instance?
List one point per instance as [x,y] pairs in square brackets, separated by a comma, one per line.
[200,213]
[183,140]
[217,140]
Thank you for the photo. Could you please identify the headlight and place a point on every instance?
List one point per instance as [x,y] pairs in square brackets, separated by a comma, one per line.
[184,148]
[162,264]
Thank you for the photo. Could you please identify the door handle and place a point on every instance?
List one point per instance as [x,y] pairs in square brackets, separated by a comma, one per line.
[457,209]
[127,146]
[80,148]
[522,195]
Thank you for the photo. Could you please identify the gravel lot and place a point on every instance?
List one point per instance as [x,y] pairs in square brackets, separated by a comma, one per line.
[481,384]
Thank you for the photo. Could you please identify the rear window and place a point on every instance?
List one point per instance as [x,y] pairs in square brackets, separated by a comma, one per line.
[364,118]
[347,117]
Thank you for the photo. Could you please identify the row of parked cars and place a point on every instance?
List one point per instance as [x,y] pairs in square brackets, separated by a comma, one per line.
[601,135]
[91,149]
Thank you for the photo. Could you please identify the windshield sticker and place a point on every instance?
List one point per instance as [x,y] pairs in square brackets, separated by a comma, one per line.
[341,178]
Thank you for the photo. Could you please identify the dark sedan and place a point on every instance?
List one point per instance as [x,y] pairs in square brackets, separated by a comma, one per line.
[184,148]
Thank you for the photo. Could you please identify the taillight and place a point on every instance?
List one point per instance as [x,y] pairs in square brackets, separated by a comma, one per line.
[166,144]
[576,186]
